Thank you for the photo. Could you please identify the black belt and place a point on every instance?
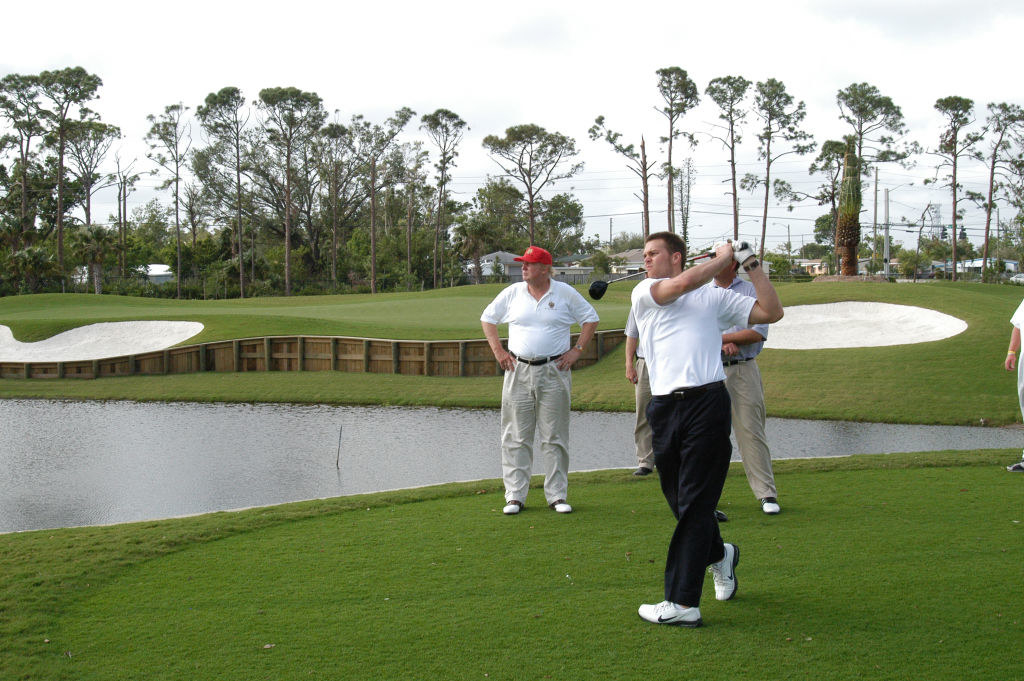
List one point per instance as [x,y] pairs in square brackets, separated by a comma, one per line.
[730,362]
[683,393]
[535,362]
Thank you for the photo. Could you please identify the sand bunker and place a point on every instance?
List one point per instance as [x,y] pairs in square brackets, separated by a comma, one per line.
[854,325]
[805,327]
[97,341]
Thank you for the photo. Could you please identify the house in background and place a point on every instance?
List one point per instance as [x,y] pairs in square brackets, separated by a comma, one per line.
[812,266]
[974,266]
[566,268]
[632,261]
[493,263]
[158,274]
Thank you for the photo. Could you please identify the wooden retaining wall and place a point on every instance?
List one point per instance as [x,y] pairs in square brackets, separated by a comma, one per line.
[304,353]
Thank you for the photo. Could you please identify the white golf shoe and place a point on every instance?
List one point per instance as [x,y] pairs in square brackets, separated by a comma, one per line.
[770,505]
[724,573]
[668,612]
[512,507]
[560,506]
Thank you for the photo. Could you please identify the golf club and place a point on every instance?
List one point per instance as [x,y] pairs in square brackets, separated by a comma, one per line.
[598,288]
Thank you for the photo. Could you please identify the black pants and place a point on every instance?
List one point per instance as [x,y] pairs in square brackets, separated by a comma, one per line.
[692,452]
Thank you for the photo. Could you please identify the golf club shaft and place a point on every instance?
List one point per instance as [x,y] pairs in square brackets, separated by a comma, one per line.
[637,274]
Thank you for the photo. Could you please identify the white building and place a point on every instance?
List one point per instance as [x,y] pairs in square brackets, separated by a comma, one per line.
[158,274]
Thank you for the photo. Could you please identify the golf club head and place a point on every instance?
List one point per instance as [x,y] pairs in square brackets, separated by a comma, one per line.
[597,289]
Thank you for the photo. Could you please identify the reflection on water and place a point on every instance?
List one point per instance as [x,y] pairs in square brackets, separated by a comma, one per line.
[87,463]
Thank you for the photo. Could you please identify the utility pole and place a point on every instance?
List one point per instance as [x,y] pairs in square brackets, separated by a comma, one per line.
[874,222]
[885,247]
[789,248]
[917,264]
[610,231]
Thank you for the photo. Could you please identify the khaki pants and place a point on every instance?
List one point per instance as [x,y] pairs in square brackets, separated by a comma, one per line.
[642,431]
[743,381]
[535,399]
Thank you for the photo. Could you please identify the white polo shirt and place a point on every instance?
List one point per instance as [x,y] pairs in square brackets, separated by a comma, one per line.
[539,328]
[682,341]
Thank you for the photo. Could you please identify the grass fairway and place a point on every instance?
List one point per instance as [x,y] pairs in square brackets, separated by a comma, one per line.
[954,381]
[881,567]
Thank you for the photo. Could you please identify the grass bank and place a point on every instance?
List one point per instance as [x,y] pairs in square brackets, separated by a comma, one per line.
[954,381]
[880,567]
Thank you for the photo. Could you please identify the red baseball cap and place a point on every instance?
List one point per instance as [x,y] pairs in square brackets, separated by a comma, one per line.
[535,254]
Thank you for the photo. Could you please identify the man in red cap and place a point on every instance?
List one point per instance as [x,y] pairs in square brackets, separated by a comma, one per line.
[536,393]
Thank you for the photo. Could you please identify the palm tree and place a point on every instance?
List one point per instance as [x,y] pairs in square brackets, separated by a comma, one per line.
[94,244]
[32,264]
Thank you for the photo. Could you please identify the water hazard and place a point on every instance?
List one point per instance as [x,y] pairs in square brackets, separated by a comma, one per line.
[89,463]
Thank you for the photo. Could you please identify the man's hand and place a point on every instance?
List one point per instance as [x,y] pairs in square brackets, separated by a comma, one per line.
[1011,362]
[730,349]
[566,361]
[631,375]
[505,360]
[724,250]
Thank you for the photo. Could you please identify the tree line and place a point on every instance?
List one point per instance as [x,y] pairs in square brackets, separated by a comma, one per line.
[266,193]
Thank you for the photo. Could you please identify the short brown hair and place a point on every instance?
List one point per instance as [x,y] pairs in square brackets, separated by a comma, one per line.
[673,241]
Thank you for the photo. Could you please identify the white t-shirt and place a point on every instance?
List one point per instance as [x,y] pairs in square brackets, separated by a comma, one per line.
[682,341]
[1018,317]
[539,328]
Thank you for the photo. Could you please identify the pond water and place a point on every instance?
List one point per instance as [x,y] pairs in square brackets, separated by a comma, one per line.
[89,463]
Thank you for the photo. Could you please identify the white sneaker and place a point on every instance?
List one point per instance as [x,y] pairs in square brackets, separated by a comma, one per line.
[770,505]
[561,507]
[512,507]
[724,573]
[668,612]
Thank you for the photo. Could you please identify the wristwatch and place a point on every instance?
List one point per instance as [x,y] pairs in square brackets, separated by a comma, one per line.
[579,347]
[751,266]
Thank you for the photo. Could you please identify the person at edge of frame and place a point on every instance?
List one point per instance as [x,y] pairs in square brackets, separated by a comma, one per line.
[536,392]
[680,319]
[1010,363]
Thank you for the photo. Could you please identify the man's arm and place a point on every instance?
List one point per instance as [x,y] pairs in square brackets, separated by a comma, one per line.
[768,308]
[666,291]
[587,330]
[742,337]
[631,344]
[507,361]
[1011,354]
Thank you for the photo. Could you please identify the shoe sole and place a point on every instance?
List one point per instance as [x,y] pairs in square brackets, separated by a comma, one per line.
[735,579]
[681,623]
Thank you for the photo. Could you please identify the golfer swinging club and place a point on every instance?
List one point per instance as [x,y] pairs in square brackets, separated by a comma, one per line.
[680,319]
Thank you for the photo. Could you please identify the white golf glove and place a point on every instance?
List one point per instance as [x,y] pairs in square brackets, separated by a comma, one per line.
[742,252]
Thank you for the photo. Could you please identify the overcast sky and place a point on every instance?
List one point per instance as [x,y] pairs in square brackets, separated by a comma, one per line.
[558,65]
